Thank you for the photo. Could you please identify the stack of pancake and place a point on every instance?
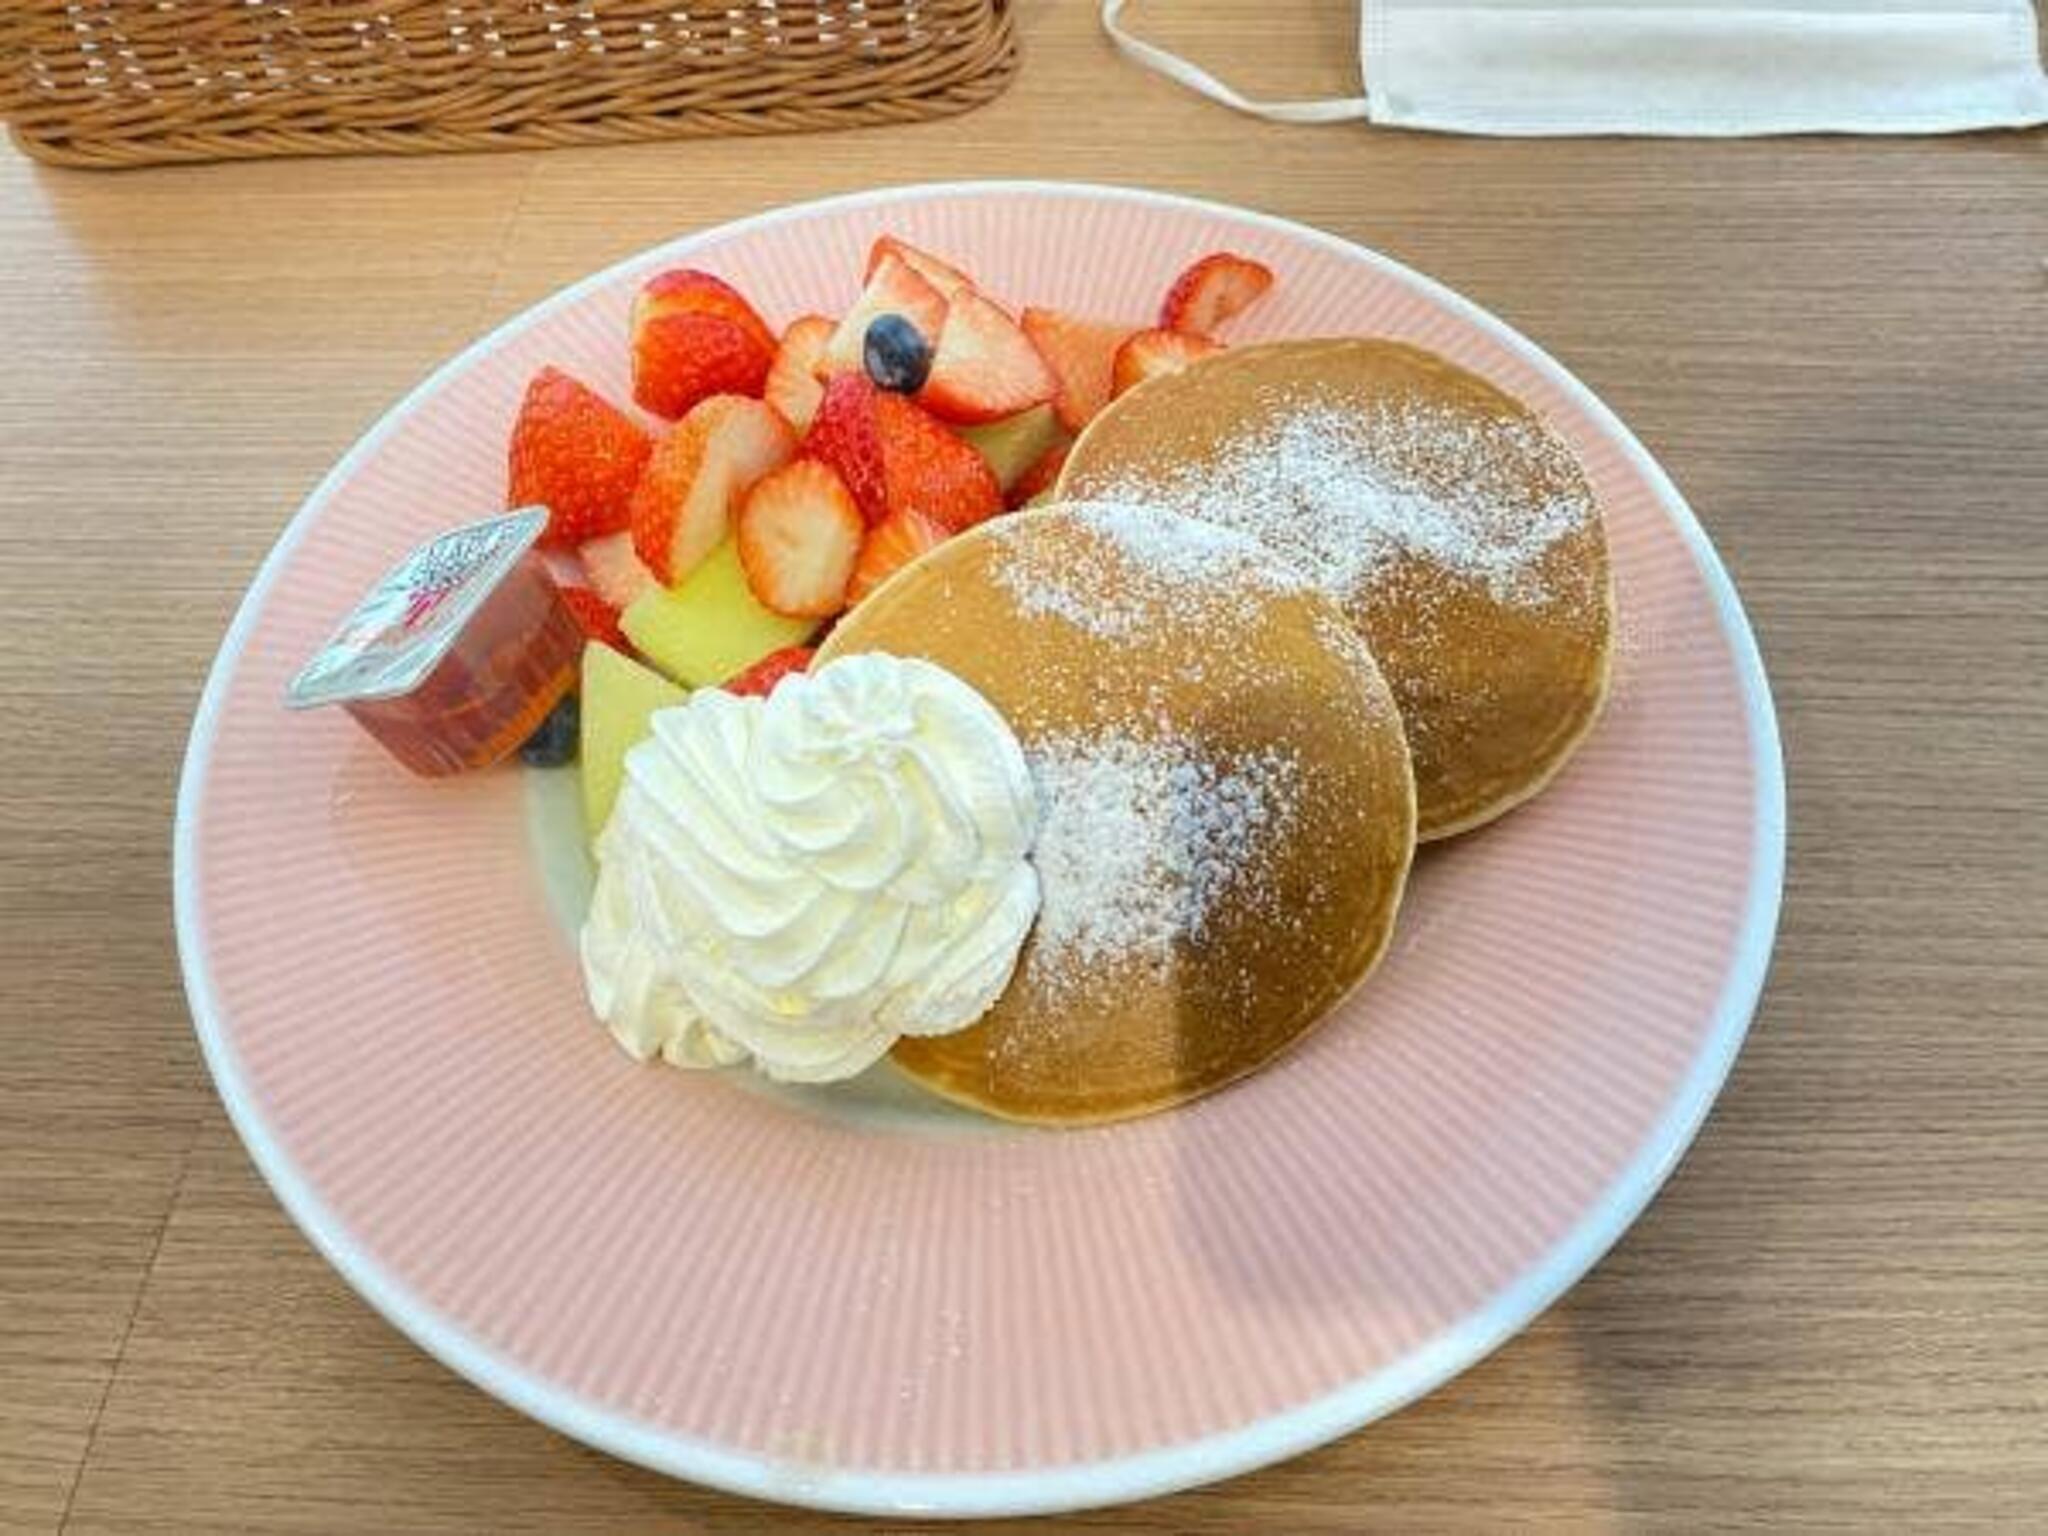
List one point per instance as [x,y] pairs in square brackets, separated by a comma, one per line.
[1294,610]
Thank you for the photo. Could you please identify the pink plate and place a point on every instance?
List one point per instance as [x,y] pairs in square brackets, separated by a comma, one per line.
[856,1302]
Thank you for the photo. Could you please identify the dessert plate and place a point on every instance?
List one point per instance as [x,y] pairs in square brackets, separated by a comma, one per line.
[850,1300]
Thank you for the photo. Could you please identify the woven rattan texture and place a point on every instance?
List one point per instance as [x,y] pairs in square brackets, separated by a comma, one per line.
[135,82]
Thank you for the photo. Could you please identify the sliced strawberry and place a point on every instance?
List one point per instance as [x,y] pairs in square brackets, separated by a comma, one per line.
[686,291]
[1082,355]
[845,435]
[1211,291]
[894,289]
[1149,354]
[1041,477]
[800,534]
[578,455]
[694,336]
[929,469]
[984,367]
[792,386]
[680,359]
[762,678]
[949,280]
[600,620]
[684,504]
[892,544]
[617,573]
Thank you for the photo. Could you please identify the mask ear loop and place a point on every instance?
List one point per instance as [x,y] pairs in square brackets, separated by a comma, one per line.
[1332,109]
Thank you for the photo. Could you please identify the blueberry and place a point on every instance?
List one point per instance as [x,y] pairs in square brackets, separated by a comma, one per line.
[553,744]
[896,355]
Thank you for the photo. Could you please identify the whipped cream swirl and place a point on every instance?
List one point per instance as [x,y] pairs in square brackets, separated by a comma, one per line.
[804,878]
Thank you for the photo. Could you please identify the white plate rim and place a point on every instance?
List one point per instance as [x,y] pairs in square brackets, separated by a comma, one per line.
[1091,1484]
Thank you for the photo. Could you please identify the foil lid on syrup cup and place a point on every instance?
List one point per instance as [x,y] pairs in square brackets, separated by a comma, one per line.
[400,632]
[457,654]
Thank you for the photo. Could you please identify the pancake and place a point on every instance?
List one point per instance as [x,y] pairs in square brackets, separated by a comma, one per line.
[1456,529]
[1227,814]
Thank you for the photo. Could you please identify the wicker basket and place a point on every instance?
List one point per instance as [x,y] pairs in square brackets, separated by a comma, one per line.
[135,82]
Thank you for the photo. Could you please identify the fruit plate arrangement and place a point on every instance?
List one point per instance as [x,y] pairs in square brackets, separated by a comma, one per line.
[851,1301]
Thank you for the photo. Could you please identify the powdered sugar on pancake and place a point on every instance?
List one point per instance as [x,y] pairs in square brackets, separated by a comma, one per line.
[1165,564]
[1150,829]
[1172,809]
[1167,586]
[1141,837]
[1343,494]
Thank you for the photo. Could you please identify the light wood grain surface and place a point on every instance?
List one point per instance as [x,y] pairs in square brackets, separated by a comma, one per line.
[1837,1312]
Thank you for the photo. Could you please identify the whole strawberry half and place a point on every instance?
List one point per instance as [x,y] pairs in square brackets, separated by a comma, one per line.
[575,453]
[845,433]
[686,290]
[929,469]
[695,336]
[679,360]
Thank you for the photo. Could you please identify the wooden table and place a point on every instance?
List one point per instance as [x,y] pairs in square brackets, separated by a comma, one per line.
[1837,1312]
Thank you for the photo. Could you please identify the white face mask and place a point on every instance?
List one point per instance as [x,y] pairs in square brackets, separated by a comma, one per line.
[1698,67]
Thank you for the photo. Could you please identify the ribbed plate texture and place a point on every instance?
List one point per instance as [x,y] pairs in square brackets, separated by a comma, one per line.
[404,1013]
